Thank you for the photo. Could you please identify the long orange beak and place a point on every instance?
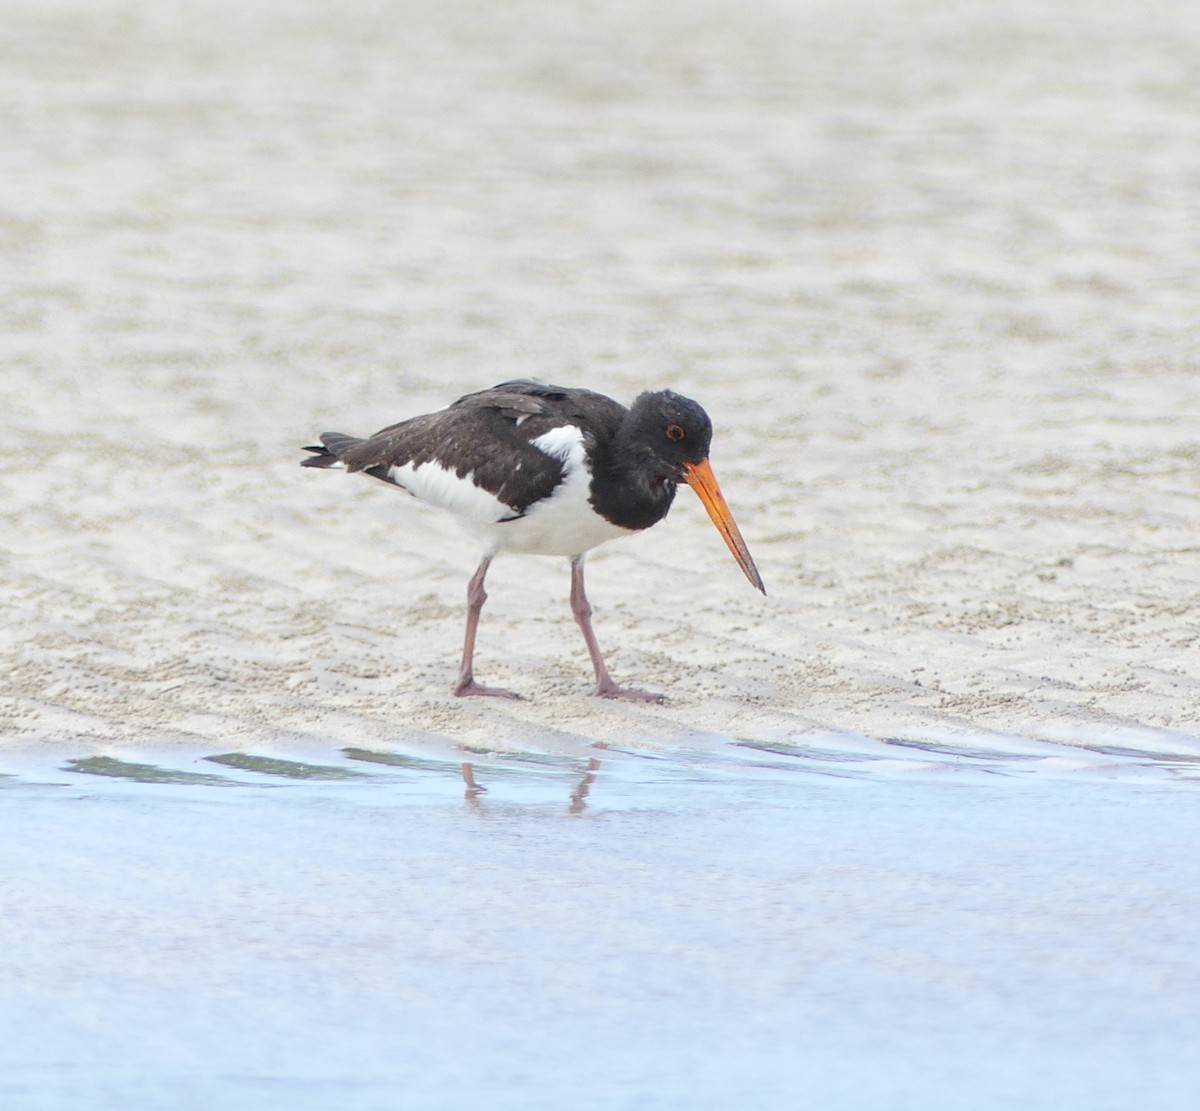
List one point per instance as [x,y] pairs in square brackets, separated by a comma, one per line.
[700,477]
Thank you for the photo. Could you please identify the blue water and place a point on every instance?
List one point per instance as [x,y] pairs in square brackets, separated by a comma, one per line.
[844,924]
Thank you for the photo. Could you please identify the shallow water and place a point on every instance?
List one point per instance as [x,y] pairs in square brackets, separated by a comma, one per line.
[848,924]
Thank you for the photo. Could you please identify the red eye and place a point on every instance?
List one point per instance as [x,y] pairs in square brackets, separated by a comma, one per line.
[674,432]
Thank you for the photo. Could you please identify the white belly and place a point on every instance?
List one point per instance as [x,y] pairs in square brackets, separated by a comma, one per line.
[560,525]
[564,523]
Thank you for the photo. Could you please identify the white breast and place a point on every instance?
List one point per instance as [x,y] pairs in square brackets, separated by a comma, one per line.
[564,523]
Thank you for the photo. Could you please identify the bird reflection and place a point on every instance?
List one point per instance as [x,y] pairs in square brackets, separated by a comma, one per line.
[473,790]
[578,796]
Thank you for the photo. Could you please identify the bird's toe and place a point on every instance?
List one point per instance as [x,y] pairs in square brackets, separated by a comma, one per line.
[628,694]
[468,688]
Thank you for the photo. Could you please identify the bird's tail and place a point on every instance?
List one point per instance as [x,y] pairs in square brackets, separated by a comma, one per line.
[331,449]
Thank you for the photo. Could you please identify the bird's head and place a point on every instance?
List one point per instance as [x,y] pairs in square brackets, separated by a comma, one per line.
[669,437]
[669,432]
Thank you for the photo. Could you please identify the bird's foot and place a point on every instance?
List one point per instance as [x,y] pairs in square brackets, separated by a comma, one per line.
[627,694]
[468,688]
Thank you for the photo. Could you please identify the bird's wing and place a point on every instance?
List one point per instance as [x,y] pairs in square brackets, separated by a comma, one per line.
[483,442]
[537,408]
[519,398]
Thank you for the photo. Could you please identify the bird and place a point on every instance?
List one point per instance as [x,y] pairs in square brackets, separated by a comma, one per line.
[534,468]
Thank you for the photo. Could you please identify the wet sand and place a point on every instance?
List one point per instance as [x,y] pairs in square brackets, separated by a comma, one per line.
[933,274]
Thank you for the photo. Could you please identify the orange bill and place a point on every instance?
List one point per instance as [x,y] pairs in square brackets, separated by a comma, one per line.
[699,477]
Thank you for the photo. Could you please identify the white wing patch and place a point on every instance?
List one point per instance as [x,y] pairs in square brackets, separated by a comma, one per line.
[437,485]
[565,443]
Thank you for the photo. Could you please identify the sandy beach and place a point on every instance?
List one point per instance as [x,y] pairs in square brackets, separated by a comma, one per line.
[932,269]
[934,275]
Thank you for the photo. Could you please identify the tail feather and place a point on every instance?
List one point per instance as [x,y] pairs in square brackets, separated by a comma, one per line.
[331,449]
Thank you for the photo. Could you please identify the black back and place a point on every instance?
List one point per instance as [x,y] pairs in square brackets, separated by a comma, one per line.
[634,458]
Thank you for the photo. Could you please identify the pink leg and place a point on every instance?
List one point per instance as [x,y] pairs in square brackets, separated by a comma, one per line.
[605,687]
[476,596]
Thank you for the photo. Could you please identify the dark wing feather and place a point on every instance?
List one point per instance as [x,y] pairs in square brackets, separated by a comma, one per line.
[478,436]
[519,398]
[329,453]
[487,435]
[595,414]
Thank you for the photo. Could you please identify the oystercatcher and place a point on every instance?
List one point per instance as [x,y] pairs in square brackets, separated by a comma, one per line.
[546,470]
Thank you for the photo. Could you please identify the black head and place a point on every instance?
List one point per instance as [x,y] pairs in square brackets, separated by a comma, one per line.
[666,432]
[664,440]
